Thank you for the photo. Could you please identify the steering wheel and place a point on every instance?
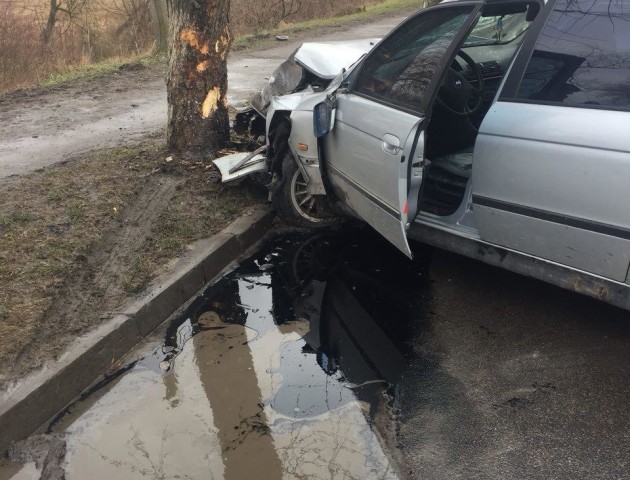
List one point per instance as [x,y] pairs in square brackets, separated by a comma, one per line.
[457,92]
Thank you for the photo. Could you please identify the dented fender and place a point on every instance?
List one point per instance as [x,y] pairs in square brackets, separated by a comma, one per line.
[303,142]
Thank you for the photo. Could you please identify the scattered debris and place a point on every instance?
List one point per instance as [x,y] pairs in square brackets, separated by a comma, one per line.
[228,151]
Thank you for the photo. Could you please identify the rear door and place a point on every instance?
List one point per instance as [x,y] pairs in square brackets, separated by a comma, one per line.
[374,155]
[552,161]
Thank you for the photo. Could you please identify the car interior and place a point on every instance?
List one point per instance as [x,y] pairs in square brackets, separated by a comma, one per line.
[464,99]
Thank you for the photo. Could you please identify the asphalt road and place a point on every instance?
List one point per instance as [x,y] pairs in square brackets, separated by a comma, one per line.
[514,378]
[334,356]
[44,127]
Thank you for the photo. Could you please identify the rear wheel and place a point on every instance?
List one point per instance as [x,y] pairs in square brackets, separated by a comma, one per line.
[295,205]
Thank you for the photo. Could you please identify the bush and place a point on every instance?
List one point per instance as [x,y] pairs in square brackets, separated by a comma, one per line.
[93,31]
[19,47]
[250,16]
[90,31]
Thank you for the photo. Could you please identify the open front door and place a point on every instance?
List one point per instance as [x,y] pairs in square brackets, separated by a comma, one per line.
[371,174]
[374,155]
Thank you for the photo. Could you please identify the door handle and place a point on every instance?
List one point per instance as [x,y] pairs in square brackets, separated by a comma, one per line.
[391,144]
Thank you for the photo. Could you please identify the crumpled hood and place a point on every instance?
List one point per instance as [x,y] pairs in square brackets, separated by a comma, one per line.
[326,60]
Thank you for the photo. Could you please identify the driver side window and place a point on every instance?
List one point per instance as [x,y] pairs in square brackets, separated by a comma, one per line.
[401,68]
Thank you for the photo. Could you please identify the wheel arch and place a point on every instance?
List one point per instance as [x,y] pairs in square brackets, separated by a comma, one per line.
[278,133]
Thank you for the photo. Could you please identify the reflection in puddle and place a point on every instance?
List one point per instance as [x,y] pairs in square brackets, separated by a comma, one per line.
[281,370]
[17,471]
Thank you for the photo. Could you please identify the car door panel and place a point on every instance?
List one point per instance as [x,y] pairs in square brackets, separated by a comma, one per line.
[555,192]
[370,179]
[360,134]
[379,121]
[382,220]
[552,159]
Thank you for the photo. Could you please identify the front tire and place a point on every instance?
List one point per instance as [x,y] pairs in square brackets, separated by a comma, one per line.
[295,205]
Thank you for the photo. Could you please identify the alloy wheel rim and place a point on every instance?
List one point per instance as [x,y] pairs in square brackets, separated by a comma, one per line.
[304,202]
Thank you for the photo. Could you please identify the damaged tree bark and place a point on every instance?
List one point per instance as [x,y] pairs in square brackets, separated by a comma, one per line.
[197,75]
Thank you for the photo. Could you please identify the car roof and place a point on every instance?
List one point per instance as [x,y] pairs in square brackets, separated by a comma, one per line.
[491,4]
[495,2]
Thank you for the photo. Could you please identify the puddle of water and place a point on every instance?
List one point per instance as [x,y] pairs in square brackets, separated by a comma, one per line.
[281,370]
[18,471]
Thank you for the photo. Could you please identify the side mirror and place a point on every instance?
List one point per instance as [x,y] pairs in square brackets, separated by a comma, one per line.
[323,118]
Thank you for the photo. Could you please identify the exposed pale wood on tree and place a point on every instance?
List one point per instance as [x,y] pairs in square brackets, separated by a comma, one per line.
[197,75]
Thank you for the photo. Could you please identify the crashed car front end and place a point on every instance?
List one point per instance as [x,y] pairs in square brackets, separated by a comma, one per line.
[310,68]
[281,114]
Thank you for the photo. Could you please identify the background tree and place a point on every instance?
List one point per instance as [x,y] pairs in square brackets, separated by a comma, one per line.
[287,8]
[71,8]
[197,75]
[159,18]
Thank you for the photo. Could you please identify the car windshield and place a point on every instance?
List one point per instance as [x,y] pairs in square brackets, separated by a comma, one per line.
[497,30]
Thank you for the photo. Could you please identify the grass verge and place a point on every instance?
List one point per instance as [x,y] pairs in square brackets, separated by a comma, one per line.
[59,227]
[241,42]
[89,71]
[385,7]
[102,68]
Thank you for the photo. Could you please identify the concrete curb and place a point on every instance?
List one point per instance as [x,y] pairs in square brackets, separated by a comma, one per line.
[39,398]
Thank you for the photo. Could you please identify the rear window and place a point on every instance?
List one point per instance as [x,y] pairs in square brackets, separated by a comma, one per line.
[582,57]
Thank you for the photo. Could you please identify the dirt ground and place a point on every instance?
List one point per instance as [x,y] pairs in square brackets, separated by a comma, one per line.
[41,127]
[90,210]
[78,238]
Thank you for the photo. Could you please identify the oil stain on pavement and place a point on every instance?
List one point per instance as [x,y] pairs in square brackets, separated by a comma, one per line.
[287,368]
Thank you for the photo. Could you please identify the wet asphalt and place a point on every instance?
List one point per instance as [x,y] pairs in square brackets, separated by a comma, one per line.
[333,356]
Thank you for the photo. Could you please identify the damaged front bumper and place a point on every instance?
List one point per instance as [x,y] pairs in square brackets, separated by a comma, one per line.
[239,165]
[309,73]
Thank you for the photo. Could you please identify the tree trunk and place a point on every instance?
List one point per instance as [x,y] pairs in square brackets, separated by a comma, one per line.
[197,75]
[159,17]
[47,32]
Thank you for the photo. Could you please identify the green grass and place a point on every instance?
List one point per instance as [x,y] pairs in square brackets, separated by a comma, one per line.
[58,194]
[76,212]
[52,268]
[84,71]
[100,68]
[141,275]
[388,6]
[16,218]
[170,244]
[385,7]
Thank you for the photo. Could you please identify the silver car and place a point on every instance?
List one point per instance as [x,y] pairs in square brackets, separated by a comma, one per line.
[495,129]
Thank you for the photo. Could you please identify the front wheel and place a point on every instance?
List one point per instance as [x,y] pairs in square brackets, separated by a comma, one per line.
[295,205]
